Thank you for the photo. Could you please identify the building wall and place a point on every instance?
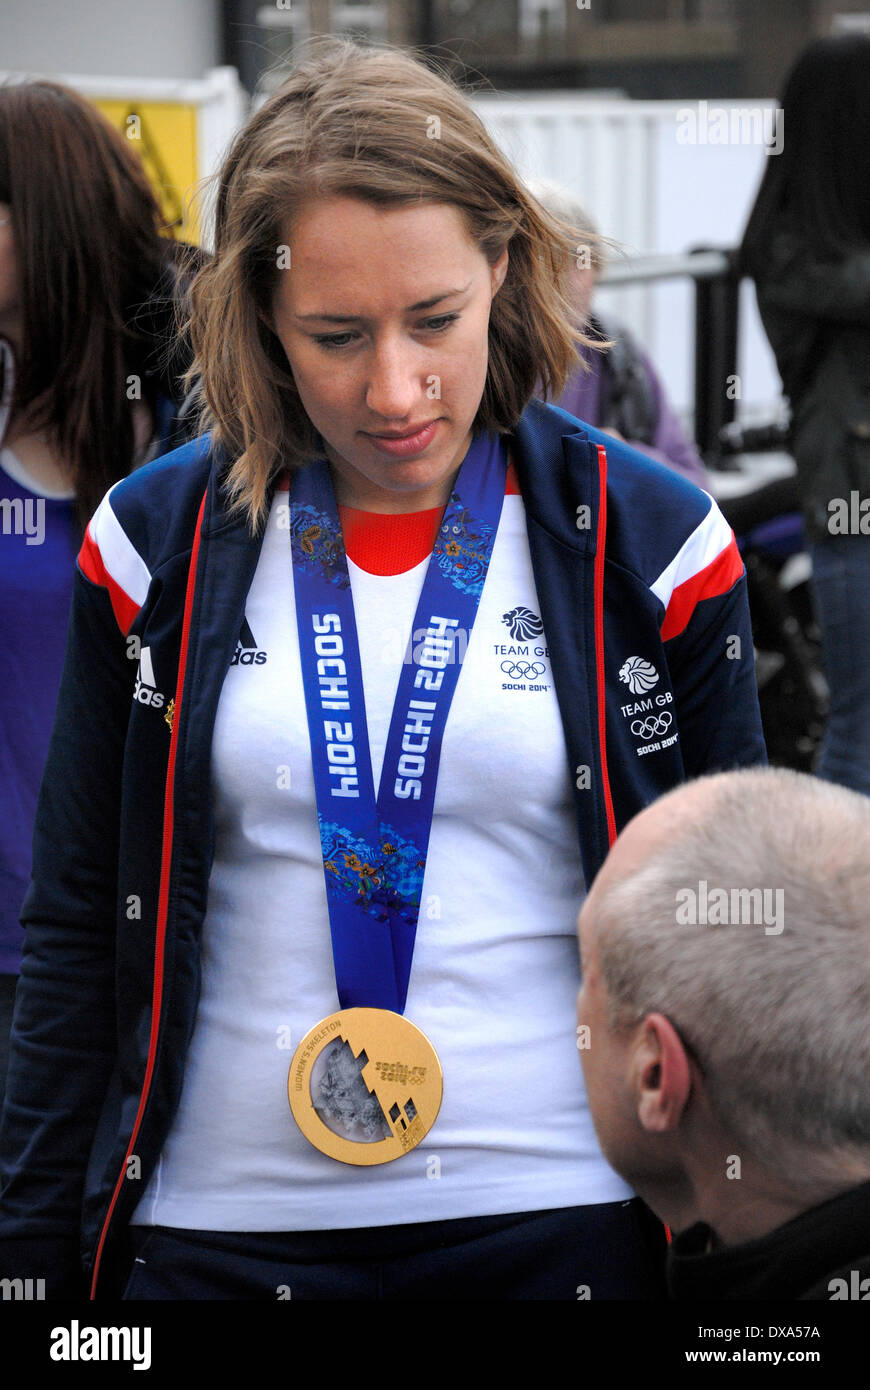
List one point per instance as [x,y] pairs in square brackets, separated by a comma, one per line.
[160,38]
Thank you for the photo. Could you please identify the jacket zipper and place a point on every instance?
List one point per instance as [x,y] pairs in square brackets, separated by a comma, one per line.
[163,897]
[600,538]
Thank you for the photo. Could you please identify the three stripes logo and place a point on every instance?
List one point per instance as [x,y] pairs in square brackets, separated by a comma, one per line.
[247,652]
[145,690]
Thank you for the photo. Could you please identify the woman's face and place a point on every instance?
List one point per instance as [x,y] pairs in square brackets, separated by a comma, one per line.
[384,315]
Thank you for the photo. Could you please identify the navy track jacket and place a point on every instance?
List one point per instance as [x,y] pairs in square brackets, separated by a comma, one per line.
[643,599]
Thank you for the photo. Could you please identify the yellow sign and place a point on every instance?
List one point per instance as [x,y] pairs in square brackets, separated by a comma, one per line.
[163,133]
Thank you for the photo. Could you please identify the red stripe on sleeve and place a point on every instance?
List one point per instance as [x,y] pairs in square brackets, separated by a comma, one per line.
[715,579]
[92,567]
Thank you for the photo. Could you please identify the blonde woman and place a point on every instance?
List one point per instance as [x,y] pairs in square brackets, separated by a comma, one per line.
[361,686]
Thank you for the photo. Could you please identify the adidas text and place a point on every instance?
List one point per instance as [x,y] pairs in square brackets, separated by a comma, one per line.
[146,696]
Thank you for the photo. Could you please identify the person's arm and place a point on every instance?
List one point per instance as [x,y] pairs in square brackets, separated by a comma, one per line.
[63,1043]
[708,640]
[835,291]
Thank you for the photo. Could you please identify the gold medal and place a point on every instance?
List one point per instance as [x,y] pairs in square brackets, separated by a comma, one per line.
[365,1086]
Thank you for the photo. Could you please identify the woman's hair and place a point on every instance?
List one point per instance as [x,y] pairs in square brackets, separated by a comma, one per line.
[564,204]
[89,258]
[371,123]
[817,185]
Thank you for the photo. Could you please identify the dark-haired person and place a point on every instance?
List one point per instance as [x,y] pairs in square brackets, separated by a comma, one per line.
[379,518]
[807,246]
[87,290]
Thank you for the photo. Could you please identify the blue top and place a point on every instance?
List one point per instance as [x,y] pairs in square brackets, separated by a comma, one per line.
[38,545]
[39,541]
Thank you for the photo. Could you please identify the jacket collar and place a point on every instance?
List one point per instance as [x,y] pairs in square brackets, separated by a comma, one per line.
[218,517]
[548,433]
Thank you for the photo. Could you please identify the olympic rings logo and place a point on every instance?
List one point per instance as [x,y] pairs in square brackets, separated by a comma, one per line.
[649,728]
[522,670]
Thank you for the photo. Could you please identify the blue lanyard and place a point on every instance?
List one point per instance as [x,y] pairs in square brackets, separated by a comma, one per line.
[374,849]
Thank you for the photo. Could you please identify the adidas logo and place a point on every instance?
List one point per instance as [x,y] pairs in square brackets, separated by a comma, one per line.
[144,690]
[246,653]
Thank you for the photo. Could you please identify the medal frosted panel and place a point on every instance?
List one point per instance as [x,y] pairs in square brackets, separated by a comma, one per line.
[341,1098]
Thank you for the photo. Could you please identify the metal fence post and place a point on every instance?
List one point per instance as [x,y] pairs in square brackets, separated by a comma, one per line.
[717,300]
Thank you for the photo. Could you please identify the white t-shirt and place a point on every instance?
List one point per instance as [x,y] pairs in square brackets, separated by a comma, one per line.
[495,970]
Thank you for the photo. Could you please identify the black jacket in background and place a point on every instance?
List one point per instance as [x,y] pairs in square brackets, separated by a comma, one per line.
[799,1260]
[817,317]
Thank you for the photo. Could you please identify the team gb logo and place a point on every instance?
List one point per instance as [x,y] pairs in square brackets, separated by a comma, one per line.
[524,625]
[638,675]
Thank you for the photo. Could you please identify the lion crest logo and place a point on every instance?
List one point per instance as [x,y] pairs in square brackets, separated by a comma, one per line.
[524,625]
[639,675]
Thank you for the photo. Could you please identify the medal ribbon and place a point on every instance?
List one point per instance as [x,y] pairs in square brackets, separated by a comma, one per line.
[374,849]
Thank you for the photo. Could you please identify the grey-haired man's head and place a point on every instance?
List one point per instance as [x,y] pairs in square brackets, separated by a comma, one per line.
[724,1017]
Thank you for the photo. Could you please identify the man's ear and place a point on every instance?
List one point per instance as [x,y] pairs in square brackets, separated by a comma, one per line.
[661,1075]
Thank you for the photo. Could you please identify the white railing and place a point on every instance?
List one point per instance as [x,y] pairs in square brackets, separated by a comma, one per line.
[659,178]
